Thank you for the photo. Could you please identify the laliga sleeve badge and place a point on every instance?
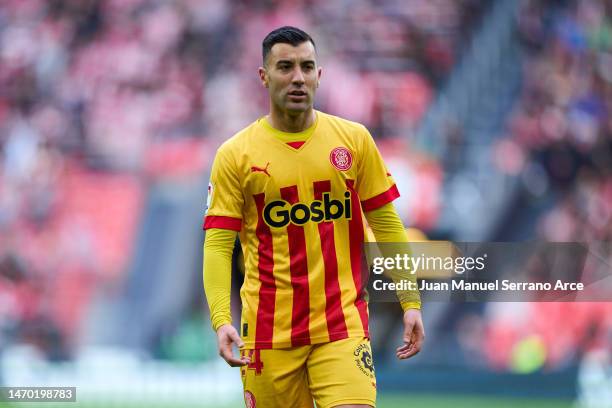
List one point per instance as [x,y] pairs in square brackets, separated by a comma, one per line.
[208,197]
[341,158]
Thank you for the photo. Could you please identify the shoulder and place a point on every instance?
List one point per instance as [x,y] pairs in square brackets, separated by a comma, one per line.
[342,123]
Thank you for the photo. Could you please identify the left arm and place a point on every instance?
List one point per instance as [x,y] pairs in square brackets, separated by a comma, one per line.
[387,227]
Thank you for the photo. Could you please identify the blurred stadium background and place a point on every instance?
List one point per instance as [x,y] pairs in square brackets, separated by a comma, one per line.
[494,117]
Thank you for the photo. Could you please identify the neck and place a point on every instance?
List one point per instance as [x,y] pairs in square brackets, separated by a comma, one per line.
[291,123]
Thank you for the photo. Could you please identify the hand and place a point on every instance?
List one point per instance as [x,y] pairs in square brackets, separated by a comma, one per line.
[414,334]
[227,336]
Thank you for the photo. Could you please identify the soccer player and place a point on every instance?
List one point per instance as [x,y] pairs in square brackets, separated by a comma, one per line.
[295,184]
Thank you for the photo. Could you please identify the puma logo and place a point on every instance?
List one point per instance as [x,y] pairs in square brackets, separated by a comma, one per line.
[261,169]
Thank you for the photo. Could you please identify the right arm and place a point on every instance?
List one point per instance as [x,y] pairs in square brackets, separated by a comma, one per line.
[222,222]
[218,249]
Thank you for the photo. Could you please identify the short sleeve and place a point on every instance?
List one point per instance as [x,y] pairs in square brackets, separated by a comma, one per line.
[225,199]
[375,185]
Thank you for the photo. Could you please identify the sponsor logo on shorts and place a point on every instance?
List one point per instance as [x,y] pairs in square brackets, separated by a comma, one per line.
[249,399]
[341,158]
[363,360]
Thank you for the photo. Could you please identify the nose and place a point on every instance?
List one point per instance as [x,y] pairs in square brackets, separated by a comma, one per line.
[298,76]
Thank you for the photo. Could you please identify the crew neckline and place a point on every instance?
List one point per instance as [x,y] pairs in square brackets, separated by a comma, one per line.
[286,137]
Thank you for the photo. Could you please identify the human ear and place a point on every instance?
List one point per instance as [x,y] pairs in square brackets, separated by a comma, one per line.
[263,76]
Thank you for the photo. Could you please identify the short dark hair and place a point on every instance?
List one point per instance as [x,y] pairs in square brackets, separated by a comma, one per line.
[287,35]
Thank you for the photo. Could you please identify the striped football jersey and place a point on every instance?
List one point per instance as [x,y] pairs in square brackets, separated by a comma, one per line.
[299,210]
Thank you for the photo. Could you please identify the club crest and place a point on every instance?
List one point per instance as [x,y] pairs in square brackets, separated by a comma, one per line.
[341,158]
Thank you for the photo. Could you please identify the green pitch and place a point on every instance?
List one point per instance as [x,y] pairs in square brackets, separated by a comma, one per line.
[445,401]
[385,401]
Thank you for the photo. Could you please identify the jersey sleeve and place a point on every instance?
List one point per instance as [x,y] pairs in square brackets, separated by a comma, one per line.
[225,200]
[218,249]
[387,227]
[375,185]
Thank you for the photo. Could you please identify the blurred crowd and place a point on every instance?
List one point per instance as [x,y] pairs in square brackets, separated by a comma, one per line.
[560,146]
[99,98]
[561,129]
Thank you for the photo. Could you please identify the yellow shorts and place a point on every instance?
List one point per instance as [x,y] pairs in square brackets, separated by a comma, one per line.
[336,373]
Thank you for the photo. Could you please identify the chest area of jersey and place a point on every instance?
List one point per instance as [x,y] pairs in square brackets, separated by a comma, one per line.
[272,168]
[298,188]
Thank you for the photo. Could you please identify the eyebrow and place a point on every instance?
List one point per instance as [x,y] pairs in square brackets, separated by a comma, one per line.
[285,61]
